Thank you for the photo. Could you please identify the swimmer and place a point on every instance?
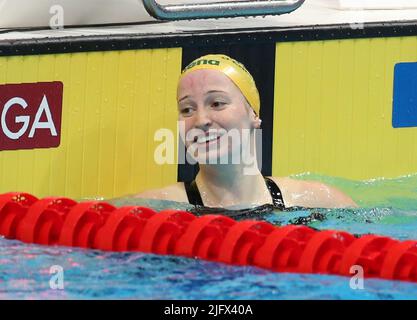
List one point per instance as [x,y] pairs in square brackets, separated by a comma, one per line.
[216,95]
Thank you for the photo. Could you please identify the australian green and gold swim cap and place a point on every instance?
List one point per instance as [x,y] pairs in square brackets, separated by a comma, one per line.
[232,69]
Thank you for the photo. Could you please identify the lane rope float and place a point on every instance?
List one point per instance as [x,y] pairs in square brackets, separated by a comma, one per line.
[100,225]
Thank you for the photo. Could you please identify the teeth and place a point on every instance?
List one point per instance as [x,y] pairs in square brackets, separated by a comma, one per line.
[207,138]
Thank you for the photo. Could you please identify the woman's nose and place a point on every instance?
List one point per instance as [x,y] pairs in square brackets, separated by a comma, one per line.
[202,120]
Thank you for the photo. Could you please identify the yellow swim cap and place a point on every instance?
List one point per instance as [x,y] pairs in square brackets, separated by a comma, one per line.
[234,70]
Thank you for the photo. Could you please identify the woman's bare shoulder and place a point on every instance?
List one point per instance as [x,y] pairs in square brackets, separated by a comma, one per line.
[312,194]
[174,192]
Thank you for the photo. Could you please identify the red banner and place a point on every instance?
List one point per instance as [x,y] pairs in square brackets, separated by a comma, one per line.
[30,115]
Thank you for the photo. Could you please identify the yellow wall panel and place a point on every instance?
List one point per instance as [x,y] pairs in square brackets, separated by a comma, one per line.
[333,109]
[13,72]
[113,102]
[140,120]
[332,116]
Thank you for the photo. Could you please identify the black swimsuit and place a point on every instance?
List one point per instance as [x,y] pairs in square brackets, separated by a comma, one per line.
[194,198]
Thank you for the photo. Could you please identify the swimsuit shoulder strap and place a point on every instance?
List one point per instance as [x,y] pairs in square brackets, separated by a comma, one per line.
[193,193]
[194,196]
[276,193]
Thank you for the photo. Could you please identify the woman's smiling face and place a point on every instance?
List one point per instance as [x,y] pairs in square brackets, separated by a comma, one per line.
[210,106]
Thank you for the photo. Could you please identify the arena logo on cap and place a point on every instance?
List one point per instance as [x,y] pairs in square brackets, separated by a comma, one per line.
[30,115]
[203,61]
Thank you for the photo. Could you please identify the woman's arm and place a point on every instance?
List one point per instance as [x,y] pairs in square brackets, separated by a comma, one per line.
[329,196]
[312,194]
[175,192]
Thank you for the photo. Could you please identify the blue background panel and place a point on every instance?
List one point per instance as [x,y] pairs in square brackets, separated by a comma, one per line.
[404,112]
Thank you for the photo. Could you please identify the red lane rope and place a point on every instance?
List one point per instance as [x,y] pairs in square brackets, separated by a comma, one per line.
[99,225]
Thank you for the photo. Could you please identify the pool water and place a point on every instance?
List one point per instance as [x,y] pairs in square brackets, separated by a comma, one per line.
[388,207]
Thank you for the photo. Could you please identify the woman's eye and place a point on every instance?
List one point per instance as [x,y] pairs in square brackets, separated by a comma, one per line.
[186,111]
[218,104]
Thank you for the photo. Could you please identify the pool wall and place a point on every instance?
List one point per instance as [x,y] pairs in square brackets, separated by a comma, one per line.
[327,104]
[333,110]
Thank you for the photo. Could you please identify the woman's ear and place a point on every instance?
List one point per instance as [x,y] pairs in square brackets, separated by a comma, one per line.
[257,122]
